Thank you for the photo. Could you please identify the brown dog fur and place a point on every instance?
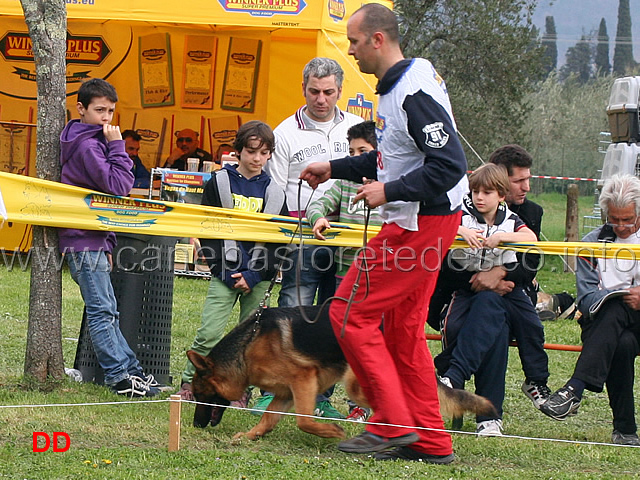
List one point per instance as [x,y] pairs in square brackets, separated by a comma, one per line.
[294,360]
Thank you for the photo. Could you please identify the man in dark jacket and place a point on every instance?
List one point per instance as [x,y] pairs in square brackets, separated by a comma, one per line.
[142,177]
[187,147]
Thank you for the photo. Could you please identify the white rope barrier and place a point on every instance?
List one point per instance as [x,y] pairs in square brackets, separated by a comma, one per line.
[457,432]
[292,414]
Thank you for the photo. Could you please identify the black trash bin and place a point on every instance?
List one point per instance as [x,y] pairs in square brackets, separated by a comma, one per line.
[142,279]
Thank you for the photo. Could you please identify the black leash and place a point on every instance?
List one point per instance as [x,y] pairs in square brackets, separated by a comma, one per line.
[351,300]
[267,294]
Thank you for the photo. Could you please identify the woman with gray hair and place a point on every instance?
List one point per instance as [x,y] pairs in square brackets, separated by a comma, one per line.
[609,299]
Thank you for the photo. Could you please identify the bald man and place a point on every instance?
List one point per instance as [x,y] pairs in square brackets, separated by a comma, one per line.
[186,147]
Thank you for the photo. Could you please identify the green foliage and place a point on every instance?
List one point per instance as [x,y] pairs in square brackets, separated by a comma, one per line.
[562,130]
[487,52]
[623,60]
[603,67]
[549,42]
[579,62]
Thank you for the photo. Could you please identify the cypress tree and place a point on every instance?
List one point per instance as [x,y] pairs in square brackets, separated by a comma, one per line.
[549,43]
[623,52]
[603,67]
[579,62]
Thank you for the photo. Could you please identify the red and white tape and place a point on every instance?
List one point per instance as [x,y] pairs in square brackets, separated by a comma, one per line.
[560,178]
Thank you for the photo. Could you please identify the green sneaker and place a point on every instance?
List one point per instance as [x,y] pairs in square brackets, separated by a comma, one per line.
[326,410]
[261,404]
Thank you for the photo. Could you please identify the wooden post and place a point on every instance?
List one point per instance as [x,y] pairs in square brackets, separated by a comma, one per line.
[175,407]
[571,225]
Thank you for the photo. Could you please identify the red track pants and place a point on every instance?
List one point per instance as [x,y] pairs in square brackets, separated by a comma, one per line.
[395,368]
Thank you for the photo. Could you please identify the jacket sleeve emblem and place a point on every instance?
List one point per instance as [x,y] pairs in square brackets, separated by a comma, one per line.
[435,136]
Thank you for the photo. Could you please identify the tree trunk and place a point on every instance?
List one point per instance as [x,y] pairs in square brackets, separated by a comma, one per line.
[47,23]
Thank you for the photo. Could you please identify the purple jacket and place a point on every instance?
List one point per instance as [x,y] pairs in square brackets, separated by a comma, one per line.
[89,161]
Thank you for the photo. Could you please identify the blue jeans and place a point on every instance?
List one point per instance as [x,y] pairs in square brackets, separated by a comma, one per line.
[317,273]
[91,271]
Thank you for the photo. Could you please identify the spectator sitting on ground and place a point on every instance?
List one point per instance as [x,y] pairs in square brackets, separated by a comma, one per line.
[518,163]
[610,333]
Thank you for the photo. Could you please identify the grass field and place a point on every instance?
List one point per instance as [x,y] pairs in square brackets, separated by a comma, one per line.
[129,440]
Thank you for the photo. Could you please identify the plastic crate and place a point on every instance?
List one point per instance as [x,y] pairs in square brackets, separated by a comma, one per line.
[623,110]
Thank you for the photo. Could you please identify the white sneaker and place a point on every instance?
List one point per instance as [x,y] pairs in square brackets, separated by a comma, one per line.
[489,428]
[446,381]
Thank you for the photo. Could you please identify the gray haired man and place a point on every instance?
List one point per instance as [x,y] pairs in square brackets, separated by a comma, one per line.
[317,131]
[610,324]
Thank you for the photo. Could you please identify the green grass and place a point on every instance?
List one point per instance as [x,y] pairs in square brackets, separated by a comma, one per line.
[133,437]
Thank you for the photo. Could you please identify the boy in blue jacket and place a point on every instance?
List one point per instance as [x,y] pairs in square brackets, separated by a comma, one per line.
[239,270]
[92,155]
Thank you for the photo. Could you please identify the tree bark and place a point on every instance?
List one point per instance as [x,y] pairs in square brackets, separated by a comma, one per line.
[47,24]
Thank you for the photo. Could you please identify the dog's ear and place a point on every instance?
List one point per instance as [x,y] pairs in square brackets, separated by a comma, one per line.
[201,363]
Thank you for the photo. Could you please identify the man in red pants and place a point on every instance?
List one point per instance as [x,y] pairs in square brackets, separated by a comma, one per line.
[420,179]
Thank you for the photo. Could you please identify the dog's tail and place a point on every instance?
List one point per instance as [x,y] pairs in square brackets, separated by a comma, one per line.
[455,402]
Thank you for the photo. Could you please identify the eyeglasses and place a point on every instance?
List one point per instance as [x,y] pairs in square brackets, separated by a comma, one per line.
[622,225]
[185,139]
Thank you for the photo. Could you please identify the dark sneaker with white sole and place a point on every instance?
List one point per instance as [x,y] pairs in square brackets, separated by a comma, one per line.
[134,387]
[537,392]
[368,442]
[620,438]
[562,404]
[406,453]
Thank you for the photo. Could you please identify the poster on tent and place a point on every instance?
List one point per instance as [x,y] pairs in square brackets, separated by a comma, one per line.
[197,71]
[153,128]
[156,78]
[241,74]
[223,132]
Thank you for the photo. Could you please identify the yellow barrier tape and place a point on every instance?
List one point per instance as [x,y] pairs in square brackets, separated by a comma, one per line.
[52,204]
[627,251]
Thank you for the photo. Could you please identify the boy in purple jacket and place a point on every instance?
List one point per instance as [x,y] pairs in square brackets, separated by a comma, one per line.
[92,155]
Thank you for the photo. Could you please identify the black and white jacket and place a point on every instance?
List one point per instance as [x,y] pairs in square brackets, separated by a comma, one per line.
[420,158]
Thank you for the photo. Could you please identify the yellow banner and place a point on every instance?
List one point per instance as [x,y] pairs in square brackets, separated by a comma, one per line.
[28,200]
[34,201]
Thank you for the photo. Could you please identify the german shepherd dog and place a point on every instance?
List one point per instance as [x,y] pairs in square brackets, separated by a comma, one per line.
[280,352]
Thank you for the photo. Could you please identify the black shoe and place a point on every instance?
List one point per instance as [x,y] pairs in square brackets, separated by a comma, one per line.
[368,442]
[561,404]
[406,453]
[620,438]
[134,387]
[150,381]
